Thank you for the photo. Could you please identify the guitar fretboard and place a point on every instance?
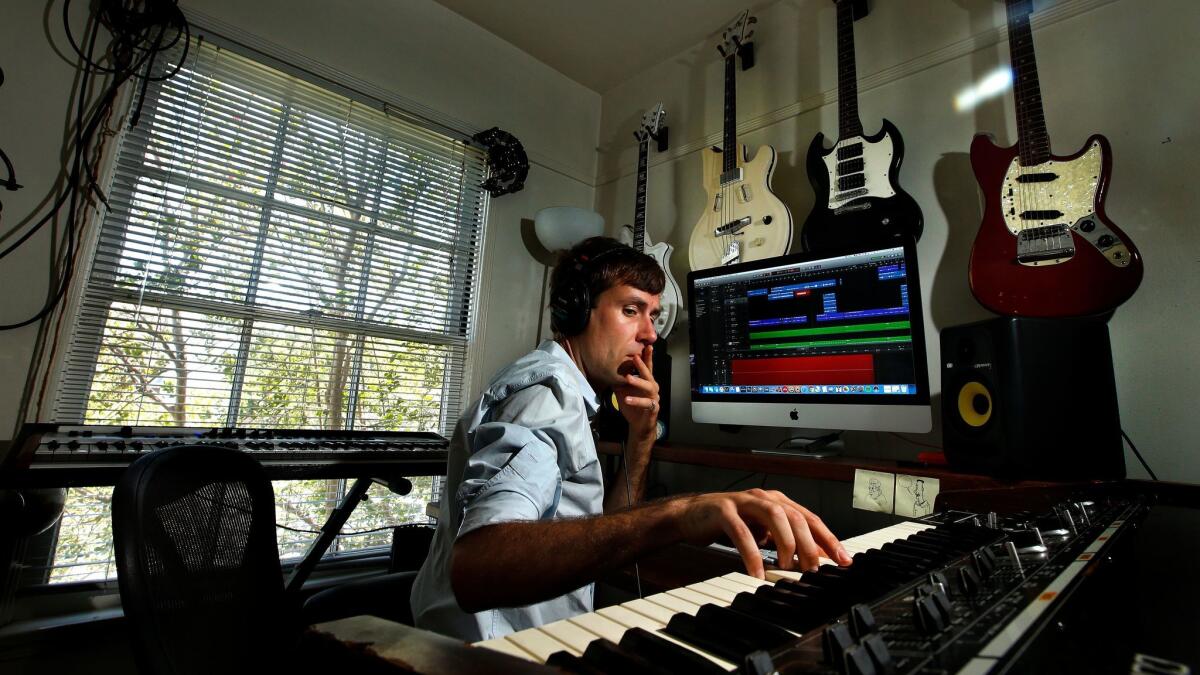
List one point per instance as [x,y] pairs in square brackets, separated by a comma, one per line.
[1033,143]
[730,147]
[639,212]
[848,123]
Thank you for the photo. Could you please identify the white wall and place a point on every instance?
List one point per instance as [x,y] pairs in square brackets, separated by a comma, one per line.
[1124,68]
[416,48]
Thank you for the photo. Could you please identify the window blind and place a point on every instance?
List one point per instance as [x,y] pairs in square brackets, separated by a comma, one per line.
[277,255]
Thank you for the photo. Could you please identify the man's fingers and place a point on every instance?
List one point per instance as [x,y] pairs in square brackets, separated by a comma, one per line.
[774,517]
[739,534]
[639,402]
[822,535]
[645,369]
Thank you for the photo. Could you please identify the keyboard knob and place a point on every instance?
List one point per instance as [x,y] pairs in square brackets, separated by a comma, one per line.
[927,616]
[862,621]
[968,581]
[880,656]
[834,643]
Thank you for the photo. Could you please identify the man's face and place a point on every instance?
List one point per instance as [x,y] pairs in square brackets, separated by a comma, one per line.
[620,327]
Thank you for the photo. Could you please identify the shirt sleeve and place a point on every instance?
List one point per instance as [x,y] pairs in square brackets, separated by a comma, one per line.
[513,473]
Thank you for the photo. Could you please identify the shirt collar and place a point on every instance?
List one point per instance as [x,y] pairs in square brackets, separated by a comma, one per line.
[590,399]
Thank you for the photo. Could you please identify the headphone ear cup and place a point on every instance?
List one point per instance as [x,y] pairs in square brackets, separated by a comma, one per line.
[570,308]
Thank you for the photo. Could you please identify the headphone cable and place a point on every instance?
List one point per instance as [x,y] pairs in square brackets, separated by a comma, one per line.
[637,573]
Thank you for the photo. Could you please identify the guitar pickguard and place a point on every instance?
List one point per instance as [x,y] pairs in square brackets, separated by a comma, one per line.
[1058,197]
[864,168]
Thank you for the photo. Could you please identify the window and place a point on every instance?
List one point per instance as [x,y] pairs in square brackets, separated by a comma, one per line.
[274,255]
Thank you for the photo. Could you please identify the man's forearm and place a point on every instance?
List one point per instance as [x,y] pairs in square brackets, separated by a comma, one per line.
[629,485]
[519,563]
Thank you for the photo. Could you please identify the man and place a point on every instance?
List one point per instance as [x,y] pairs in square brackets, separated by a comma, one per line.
[526,526]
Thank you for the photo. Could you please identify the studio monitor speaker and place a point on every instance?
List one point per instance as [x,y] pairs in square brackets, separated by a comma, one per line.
[1031,398]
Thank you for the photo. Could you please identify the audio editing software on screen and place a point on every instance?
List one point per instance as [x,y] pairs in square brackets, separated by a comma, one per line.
[835,326]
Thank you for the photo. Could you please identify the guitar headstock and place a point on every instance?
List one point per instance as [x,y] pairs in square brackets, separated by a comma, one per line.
[651,123]
[737,34]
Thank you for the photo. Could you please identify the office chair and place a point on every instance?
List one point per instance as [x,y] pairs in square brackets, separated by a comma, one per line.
[198,566]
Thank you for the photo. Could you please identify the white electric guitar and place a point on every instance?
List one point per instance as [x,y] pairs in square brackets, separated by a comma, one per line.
[661,252]
[742,219]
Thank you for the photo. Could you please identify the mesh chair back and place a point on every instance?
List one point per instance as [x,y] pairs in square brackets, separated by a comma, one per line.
[197,563]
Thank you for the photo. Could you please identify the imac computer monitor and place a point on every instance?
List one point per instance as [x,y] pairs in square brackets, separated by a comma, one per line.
[821,341]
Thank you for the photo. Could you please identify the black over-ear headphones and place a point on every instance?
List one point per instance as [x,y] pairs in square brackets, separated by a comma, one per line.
[571,299]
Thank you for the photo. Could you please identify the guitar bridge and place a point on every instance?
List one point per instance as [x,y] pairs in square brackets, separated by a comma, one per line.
[1046,245]
[732,253]
[732,227]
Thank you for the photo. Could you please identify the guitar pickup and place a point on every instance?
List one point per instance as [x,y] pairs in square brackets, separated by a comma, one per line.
[1046,244]
[731,176]
[732,227]
[1043,177]
[1046,214]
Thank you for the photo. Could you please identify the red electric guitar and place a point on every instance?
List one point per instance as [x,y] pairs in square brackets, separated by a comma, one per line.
[1045,247]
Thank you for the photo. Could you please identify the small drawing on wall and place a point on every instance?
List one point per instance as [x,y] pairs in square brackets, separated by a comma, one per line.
[873,490]
[915,495]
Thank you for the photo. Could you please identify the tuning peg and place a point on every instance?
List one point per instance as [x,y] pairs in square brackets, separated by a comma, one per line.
[721,49]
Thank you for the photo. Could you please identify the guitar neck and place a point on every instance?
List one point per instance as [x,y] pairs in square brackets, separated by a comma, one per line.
[730,147]
[848,123]
[639,212]
[1033,143]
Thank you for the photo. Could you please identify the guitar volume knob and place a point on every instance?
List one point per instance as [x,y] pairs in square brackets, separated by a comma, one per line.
[1106,240]
[1087,225]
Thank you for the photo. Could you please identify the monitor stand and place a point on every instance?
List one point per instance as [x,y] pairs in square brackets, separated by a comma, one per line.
[812,448]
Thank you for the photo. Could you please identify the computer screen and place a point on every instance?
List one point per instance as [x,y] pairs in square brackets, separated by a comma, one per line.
[811,340]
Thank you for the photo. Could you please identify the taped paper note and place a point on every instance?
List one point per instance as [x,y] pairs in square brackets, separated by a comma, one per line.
[915,495]
[874,490]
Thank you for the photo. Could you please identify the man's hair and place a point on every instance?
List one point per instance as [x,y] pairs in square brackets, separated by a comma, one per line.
[603,263]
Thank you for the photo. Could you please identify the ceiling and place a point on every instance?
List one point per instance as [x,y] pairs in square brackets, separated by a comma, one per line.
[600,43]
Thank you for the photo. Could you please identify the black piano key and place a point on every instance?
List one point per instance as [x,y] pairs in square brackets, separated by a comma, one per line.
[608,657]
[791,612]
[666,653]
[708,637]
[764,634]
[568,662]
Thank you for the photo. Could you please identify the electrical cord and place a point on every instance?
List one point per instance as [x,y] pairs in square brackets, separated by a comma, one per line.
[637,573]
[1138,454]
[139,30]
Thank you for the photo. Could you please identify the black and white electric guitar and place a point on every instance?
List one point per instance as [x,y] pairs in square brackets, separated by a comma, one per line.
[661,252]
[859,200]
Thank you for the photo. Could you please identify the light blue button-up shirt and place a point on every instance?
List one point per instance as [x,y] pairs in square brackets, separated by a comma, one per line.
[523,451]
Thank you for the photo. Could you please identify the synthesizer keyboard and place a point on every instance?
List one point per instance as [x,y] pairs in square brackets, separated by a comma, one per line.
[74,455]
[954,593]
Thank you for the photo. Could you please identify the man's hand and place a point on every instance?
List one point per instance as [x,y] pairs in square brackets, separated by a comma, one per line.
[638,398]
[756,516]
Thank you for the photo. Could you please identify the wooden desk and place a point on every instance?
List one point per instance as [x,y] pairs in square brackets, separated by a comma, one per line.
[828,468]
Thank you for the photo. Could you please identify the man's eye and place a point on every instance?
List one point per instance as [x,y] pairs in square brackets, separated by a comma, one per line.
[631,311]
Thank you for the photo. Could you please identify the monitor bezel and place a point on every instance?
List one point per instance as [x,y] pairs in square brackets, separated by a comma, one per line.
[922,396]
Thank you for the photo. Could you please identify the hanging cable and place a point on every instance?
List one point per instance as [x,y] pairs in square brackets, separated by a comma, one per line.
[139,30]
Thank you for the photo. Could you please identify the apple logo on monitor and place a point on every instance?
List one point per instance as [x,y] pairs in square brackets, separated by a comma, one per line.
[795,414]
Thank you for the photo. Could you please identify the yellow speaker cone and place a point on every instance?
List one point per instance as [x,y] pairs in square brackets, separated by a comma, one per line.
[975,404]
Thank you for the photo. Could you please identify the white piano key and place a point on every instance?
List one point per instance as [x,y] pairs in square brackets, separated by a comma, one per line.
[718,594]
[691,597]
[732,586]
[503,645]
[649,609]
[745,579]
[538,643]
[569,634]
[599,625]
[679,603]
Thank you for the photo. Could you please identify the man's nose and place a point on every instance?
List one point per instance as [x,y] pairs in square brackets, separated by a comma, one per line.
[646,333]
